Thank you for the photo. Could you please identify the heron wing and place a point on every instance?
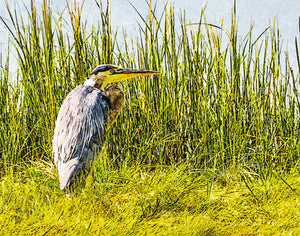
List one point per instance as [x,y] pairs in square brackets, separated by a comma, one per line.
[79,132]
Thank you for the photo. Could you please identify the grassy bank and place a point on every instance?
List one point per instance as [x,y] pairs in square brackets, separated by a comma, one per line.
[136,201]
[211,145]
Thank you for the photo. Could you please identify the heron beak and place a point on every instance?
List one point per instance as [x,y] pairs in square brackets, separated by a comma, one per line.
[129,73]
[124,74]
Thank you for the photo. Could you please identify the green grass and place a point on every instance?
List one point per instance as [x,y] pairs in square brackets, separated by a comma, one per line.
[209,146]
[136,201]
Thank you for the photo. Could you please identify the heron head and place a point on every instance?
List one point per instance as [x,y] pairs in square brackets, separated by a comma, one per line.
[106,74]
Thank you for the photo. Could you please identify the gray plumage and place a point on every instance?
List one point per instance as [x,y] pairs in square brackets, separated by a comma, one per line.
[79,133]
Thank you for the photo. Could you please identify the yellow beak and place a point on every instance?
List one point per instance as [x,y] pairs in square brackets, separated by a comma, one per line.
[124,74]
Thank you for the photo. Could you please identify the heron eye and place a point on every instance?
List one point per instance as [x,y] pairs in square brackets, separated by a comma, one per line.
[112,71]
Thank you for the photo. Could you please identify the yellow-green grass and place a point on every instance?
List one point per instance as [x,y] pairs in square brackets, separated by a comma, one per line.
[136,201]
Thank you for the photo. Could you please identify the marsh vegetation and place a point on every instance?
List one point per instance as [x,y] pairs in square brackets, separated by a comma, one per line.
[209,146]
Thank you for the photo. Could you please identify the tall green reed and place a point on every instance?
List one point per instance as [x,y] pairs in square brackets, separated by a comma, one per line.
[233,104]
[212,106]
[51,63]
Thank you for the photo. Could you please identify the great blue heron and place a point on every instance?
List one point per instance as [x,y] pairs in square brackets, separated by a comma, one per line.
[83,119]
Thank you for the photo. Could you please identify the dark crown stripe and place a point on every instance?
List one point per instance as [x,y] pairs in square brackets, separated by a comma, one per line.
[103,68]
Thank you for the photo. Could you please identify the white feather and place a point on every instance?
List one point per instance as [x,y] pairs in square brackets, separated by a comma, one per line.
[89,82]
